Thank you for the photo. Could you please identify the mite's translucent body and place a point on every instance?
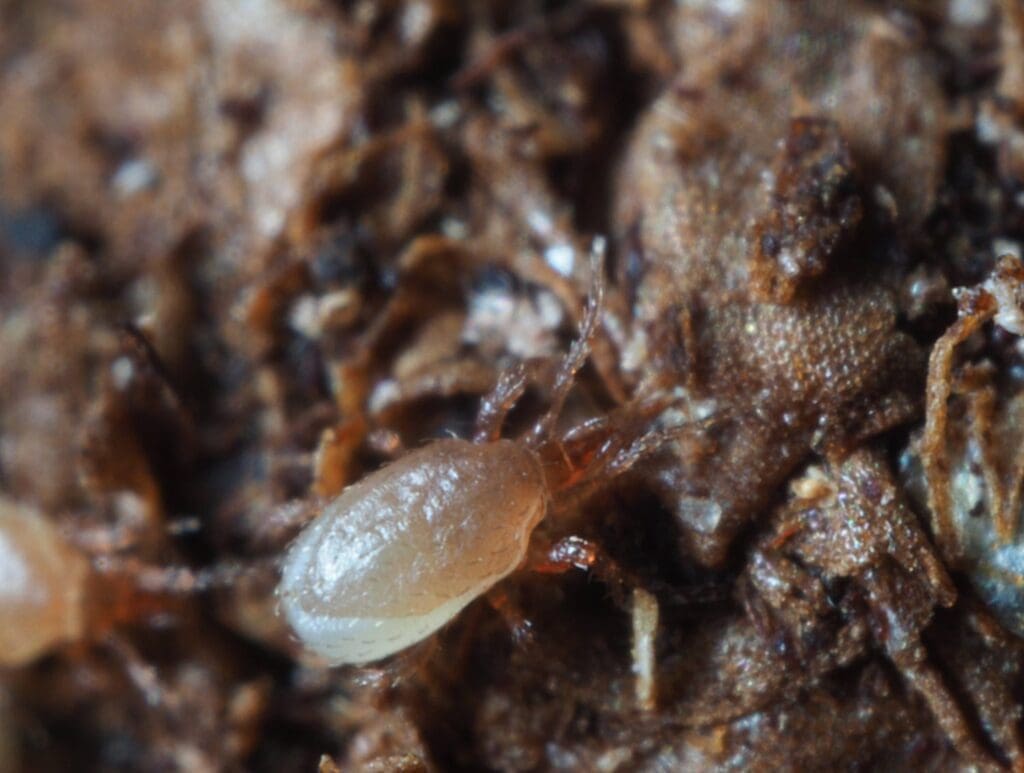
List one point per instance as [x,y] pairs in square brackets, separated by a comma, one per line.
[398,554]
[42,582]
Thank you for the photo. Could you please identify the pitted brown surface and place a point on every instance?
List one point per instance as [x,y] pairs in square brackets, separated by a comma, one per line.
[823,372]
[745,191]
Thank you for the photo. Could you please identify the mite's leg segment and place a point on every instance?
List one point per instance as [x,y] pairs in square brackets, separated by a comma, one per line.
[179,580]
[578,352]
[597,452]
[643,446]
[575,552]
[512,614]
[512,383]
[495,406]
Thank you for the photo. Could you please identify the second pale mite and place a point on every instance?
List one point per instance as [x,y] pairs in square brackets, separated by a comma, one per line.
[398,554]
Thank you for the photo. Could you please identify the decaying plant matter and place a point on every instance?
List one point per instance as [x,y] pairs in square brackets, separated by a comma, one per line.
[253,251]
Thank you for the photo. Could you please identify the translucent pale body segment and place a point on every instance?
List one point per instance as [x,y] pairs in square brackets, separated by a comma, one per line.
[362,639]
[398,554]
[41,585]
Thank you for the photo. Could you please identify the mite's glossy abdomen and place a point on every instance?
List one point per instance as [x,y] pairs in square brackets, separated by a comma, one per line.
[398,554]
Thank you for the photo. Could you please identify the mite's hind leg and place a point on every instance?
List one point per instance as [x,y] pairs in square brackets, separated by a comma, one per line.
[128,590]
[512,614]
[575,552]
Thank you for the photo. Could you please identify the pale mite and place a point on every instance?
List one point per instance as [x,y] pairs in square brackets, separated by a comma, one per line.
[397,555]
[52,593]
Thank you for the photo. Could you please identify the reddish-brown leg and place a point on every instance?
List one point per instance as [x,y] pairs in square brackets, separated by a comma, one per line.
[574,552]
[512,614]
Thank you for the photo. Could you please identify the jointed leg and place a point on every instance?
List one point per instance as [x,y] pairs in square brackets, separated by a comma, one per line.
[575,552]
[643,446]
[510,611]
[495,406]
[618,460]
[578,352]
[604,447]
[181,580]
